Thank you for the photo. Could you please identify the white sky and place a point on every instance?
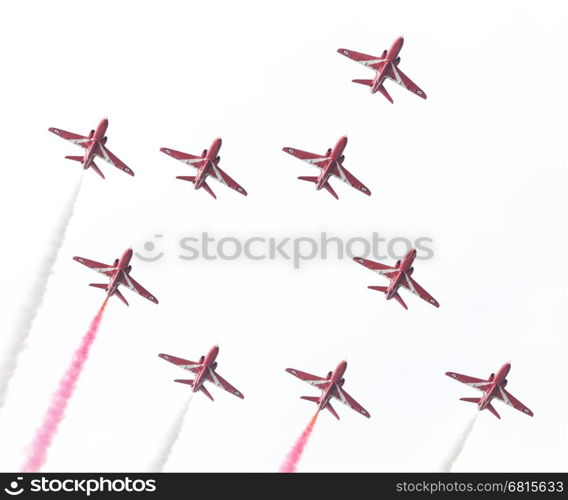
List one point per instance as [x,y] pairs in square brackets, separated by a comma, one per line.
[479,167]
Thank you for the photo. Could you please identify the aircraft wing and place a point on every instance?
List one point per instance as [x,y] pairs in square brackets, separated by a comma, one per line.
[382,269]
[111,158]
[105,269]
[136,287]
[186,364]
[351,180]
[319,382]
[80,140]
[416,289]
[219,381]
[224,178]
[476,383]
[397,76]
[509,399]
[311,158]
[191,160]
[372,62]
[347,400]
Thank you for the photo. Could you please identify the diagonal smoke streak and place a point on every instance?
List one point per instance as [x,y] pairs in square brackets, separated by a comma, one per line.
[37,453]
[291,461]
[171,439]
[458,446]
[35,297]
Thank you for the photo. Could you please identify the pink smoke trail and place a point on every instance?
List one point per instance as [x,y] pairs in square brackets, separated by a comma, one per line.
[293,458]
[60,399]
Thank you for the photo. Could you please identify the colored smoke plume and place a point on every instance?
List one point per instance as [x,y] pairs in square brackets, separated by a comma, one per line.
[171,438]
[291,461]
[55,413]
[458,446]
[35,297]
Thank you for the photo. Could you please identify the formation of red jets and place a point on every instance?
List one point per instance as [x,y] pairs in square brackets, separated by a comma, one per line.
[331,165]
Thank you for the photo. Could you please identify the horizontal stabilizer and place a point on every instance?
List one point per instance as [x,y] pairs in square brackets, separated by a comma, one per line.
[309,179]
[189,178]
[364,82]
[313,399]
[104,286]
[188,382]
[75,158]
[471,400]
[379,288]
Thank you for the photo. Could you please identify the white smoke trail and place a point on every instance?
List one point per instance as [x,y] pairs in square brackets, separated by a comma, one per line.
[35,296]
[171,438]
[459,446]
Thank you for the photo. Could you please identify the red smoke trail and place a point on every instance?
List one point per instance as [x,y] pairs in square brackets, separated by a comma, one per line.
[56,411]
[291,461]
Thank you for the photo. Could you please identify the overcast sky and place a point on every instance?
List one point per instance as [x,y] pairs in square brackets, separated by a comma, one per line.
[479,167]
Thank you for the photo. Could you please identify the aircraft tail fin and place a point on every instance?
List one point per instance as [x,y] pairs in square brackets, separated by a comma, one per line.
[493,410]
[332,410]
[363,82]
[399,300]
[120,296]
[383,91]
[489,406]
[208,189]
[327,186]
[92,165]
[191,178]
[330,190]
[96,169]
[384,289]
[206,392]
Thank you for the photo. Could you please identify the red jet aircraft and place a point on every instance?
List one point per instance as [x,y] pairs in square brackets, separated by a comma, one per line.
[385,67]
[94,145]
[332,387]
[493,388]
[204,371]
[331,164]
[400,275]
[207,165]
[118,274]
